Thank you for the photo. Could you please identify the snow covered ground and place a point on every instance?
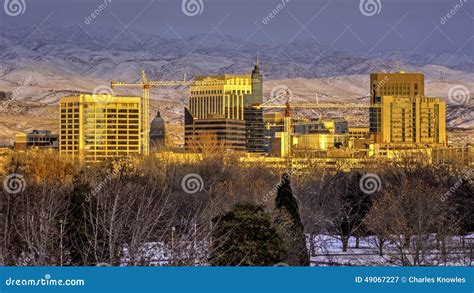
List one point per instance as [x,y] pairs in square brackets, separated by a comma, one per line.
[327,251]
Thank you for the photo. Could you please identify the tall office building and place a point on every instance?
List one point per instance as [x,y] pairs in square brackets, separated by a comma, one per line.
[94,128]
[219,94]
[230,98]
[254,125]
[214,131]
[397,84]
[402,115]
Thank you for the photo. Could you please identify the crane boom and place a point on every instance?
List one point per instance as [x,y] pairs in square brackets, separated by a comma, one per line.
[146,85]
[317,105]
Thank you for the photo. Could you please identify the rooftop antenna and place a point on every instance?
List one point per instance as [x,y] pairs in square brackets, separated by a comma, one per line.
[398,60]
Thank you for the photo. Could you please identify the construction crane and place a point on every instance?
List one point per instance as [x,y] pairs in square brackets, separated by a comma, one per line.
[317,106]
[146,85]
[287,122]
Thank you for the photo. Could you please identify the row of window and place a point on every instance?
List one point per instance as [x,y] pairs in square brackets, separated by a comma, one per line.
[110,110]
[99,137]
[111,144]
[100,149]
[97,116]
[63,116]
[108,131]
[219,92]
[70,131]
[100,105]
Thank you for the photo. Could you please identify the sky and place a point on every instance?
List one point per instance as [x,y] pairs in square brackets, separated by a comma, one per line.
[394,25]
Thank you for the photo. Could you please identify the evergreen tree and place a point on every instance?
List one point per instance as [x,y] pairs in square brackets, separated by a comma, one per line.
[286,204]
[246,236]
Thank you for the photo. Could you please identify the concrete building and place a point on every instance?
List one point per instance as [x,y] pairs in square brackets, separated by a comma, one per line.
[220,94]
[254,125]
[36,139]
[274,122]
[404,116]
[359,132]
[230,99]
[396,84]
[214,132]
[319,142]
[94,128]
[308,136]
[408,120]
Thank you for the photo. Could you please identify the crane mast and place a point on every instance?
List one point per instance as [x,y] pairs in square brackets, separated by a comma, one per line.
[146,85]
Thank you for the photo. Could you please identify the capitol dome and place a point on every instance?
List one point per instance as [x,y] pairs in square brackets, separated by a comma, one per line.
[157,130]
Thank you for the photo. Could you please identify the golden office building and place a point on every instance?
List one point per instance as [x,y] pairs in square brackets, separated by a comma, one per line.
[225,102]
[403,116]
[97,127]
[397,84]
[221,95]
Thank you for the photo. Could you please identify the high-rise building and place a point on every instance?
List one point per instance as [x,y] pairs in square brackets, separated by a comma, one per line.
[254,125]
[409,120]
[397,84]
[219,94]
[215,131]
[94,128]
[230,98]
[402,115]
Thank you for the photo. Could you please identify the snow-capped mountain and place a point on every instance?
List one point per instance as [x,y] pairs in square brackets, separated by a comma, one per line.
[37,69]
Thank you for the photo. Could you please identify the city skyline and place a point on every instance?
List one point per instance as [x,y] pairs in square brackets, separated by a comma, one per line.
[236,133]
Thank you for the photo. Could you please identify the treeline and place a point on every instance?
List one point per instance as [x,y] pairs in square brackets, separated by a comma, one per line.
[138,212]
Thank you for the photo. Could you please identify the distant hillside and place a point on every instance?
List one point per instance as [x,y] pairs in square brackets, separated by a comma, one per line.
[36,72]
